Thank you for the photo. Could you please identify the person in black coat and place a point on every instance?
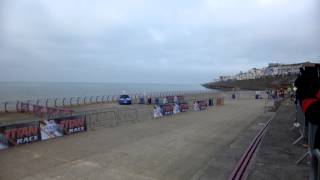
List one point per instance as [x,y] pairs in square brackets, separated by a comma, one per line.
[308,96]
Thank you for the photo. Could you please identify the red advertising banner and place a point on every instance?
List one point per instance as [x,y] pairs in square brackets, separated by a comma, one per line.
[72,124]
[167,109]
[15,134]
[203,105]
[23,133]
[219,101]
[59,127]
[184,107]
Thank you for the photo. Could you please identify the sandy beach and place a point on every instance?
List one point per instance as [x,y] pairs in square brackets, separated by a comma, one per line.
[192,145]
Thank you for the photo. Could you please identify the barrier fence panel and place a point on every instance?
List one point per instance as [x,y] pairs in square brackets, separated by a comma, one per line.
[114,117]
[127,115]
[314,153]
[300,123]
[167,109]
[101,119]
[184,107]
[144,114]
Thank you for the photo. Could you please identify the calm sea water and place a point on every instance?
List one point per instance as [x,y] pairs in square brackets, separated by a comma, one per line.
[12,91]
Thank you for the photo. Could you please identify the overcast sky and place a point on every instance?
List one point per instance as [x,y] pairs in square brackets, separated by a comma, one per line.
[160,41]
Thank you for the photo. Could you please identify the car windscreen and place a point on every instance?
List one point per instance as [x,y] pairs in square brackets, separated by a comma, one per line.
[124,96]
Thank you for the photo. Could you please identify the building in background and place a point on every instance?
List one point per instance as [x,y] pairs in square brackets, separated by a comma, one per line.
[273,69]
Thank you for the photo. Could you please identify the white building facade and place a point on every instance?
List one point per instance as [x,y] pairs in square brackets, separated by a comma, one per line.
[273,69]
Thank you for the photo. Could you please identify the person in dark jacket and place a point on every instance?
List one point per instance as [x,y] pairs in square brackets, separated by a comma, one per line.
[308,96]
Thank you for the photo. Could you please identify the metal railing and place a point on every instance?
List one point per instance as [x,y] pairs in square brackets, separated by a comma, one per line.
[12,106]
[112,117]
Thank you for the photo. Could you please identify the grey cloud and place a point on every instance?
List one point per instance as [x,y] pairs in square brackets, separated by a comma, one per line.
[154,41]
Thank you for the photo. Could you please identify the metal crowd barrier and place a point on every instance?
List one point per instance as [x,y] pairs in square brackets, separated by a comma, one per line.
[314,153]
[101,119]
[115,116]
[109,117]
[302,126]
[300,123]
[127,115]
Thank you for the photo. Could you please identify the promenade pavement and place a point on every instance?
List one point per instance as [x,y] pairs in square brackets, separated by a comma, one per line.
[193,145]
[277,155]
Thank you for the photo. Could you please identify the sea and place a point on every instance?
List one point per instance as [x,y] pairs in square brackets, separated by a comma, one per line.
[13,91]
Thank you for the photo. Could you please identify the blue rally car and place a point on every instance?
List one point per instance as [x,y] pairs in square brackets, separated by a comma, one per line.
[125,99]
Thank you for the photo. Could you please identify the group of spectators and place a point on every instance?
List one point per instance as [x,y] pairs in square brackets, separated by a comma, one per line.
[279,93]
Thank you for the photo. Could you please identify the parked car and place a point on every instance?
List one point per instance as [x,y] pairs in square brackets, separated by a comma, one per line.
[125,99]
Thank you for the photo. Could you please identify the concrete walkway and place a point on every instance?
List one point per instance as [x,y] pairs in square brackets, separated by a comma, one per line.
[276,156]
[194,145]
